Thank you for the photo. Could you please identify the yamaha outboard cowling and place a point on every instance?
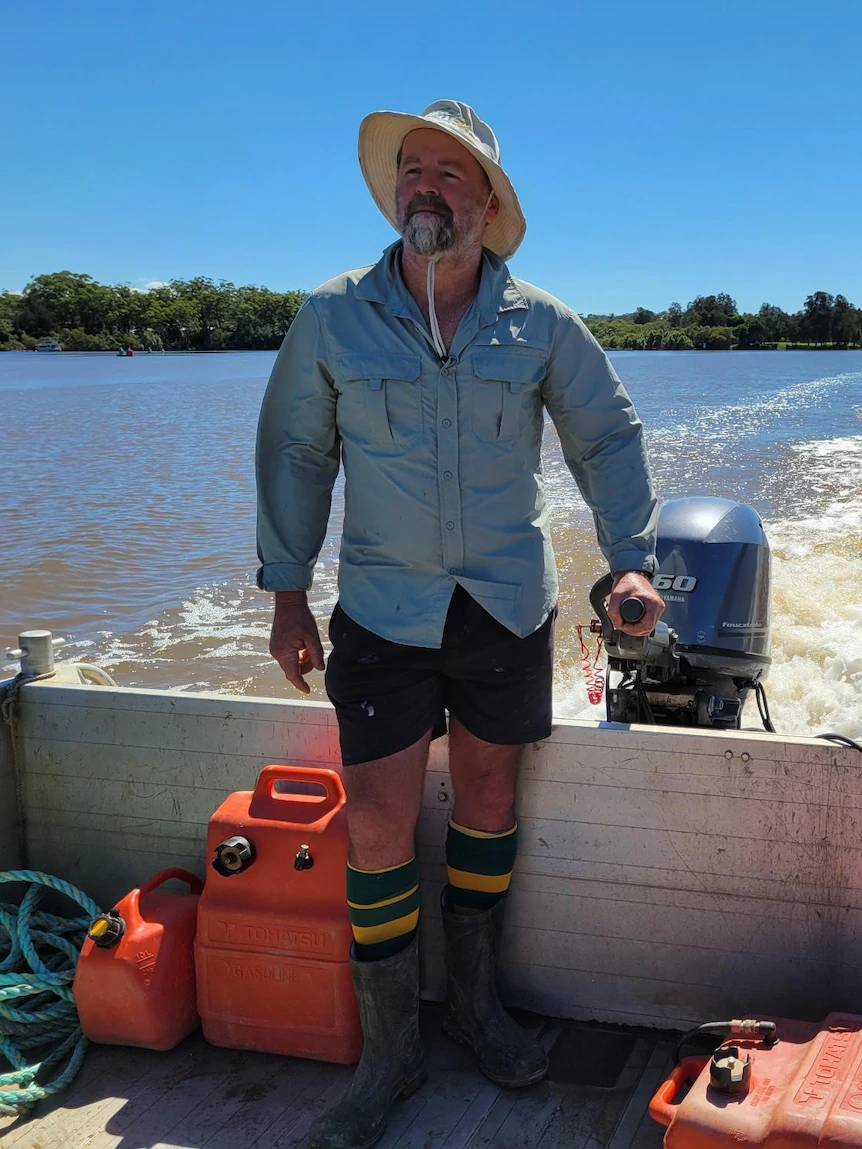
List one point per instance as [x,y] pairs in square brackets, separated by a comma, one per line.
[714,567]
[712,645]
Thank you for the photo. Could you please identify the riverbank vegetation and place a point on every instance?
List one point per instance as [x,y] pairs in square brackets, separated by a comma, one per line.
[183,315]
[202,315]
[713,323]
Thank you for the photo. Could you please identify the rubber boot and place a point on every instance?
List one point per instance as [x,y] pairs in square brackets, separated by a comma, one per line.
[393,1057]
[508,1054]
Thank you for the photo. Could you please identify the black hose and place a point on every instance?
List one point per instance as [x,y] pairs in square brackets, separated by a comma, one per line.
[763,707]
[643,701]
[716,1027]
[751,1029]
[843,740]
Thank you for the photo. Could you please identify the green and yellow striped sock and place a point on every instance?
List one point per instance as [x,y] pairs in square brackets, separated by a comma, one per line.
[384,909]
[479,865]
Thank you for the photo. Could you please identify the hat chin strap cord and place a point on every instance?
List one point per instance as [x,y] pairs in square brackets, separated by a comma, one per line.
[439,345]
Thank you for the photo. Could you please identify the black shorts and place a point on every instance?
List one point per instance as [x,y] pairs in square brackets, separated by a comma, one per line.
[387,695]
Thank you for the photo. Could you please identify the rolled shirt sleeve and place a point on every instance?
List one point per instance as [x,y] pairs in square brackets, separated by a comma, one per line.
[297,457]
[602,442]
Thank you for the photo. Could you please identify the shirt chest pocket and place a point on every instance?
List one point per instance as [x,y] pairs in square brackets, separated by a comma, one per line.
[505,382]
[379,398]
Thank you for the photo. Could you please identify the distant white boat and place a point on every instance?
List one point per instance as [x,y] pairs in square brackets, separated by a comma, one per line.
[48,345]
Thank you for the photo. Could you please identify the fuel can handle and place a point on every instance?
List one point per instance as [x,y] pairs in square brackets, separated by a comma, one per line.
[662,1108]
[319,803]
[328,780]
[192,881]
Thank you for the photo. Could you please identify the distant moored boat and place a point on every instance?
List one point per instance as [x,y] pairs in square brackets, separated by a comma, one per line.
[48,345]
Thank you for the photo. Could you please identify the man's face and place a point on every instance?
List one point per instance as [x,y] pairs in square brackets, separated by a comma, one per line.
[441,193]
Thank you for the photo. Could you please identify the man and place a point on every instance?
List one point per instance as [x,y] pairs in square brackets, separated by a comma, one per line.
[428,376]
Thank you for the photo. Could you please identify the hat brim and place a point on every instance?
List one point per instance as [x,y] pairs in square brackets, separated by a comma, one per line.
[381,135]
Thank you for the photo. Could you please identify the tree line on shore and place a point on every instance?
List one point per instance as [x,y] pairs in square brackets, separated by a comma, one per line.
[183,315]
[714,323]
[202,315]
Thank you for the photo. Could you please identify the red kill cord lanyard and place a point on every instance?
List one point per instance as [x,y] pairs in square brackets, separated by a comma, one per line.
[594,675]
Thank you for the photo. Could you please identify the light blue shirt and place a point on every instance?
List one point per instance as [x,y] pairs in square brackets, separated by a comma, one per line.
[442,459]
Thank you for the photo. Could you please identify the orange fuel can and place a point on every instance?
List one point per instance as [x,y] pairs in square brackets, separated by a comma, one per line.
[806,1090]
[272,950]
[135,979]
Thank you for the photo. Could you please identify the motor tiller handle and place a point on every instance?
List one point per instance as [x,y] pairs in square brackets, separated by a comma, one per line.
[632,610]
[599,592]
[662,1108]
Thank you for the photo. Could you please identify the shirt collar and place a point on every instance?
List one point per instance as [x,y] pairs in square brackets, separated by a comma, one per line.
[384,284]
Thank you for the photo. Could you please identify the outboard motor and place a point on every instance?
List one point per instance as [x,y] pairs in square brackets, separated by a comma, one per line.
[711,647]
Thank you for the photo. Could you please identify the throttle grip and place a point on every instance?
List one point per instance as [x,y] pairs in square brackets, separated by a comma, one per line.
[632,610]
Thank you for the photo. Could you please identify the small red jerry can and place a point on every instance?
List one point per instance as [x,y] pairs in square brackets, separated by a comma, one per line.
[135,979]
[805,1089]
[273,944]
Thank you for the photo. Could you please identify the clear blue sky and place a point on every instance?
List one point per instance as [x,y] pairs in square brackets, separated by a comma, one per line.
[660,150]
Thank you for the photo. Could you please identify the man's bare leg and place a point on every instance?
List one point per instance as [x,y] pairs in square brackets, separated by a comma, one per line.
[385,796]
[383,802]
[484,778]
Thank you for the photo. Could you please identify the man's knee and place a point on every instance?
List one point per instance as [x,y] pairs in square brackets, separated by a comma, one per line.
[379,837]
[485,798]
[484,777]
[383,802]
[493,784]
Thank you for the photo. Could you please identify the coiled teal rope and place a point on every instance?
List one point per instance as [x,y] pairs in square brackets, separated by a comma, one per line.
[39,1026]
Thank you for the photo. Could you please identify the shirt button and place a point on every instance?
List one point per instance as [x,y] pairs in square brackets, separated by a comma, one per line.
[445,371]
[454,570]
[447,474]
[447,422]
[450,526]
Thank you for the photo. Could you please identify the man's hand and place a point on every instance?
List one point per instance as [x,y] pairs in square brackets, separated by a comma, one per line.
[635,584]
[295,640]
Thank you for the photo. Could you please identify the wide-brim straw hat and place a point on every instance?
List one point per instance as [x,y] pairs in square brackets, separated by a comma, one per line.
[381,135]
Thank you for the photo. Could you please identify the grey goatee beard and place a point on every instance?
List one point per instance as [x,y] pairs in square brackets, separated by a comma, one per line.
[428,234]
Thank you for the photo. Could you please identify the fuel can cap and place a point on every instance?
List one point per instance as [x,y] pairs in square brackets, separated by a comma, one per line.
[232,856]
[728,1072]
[107,929]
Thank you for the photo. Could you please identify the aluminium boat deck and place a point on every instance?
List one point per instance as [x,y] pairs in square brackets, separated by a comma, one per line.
[666,877]
[198,1096]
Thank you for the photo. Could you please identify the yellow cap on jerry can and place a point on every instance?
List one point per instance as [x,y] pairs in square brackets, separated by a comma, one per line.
[107,929]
